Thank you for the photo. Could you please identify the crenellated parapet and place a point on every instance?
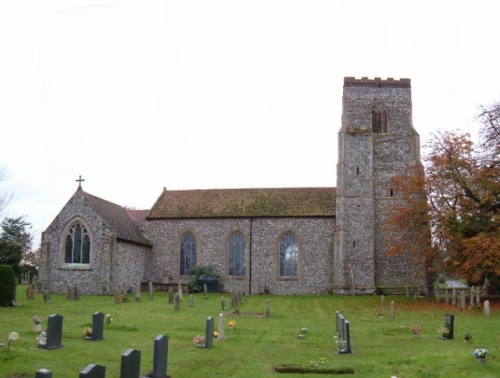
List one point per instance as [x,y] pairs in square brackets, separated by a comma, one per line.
[377,82]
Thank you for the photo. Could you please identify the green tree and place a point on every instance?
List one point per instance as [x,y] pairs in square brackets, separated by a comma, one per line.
[15,241]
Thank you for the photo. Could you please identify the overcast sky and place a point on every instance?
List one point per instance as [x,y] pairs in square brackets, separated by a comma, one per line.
[139,95]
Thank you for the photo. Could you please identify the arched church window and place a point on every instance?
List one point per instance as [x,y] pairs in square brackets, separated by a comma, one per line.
[77,245]
[289,256]
[379,119]
[237,255]
[187,258]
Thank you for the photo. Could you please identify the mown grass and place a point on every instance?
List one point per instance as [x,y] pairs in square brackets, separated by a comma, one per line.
[382,346]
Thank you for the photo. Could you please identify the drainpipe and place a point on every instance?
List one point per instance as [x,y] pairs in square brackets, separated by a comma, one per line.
[250,260]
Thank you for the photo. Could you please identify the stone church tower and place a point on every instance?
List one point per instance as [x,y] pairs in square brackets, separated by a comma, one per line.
[376,142]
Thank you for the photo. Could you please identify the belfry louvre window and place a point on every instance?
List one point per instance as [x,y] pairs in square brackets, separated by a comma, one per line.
[188,251]
[237,255]
[77,246]
[379,120]
[289,256]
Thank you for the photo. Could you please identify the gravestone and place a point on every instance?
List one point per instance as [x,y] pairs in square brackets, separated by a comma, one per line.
[97,326]
[150,286]
[221,327]
[342,328]
[462,298]
[179,290]
[118,297]
[205,290]
[170,295]
[487,308]
[130,366]
[268,309]
[30,292]
[392,309]
[77,292]
[478,296]
[346,339]
[46,296]
[223,303]
[160,357]
[209,332]
[471,304]
[71,293]
[43,373]
[449,321]
[138,293]
[191,303]
[93,371]
[54,332]
[382,305]
[337,314]
[177,301]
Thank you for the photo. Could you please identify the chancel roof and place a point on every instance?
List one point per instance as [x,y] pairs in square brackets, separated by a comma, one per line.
[118,219]
[229,203]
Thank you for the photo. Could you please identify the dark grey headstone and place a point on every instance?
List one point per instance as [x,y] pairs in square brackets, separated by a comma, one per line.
[347,348]
[337,314]
[43,373]
[160,357]
[131,364]
[93,371]
[209,334]
[170,295]
[97,326]
[449,321]
[54,332]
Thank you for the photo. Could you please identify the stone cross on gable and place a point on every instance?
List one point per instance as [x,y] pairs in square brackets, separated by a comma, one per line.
[79,181]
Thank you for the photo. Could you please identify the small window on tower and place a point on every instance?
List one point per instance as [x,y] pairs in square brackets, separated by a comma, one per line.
[379,120]
[357,170]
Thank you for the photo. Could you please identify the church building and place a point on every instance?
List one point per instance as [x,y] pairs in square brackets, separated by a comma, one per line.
[279,241]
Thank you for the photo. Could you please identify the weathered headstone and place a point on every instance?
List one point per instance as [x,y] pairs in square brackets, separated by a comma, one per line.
[30,292]
[191,300]
[46,296]
[138,293]
[209,332]
[223,303]
[205,290]
[342,328]
[170,295]
[118,297]
[478,296]
[392,309]
[14,336]
[471,304]
[449,321]
[130,366]
[221,327]
[268,309]
[93,371]
[77,292]
[160,357]
[43,373]
[346,339]
[71,293]
[97,326]
[382,305]
[177,301]
[150,286]
[179,290]
[54,332]
[487,307]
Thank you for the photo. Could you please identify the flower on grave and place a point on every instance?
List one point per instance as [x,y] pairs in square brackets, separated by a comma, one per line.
[480,353]
[216,334]
[108,318]
[37,319]
[320,363]
[87,331]
[232,324]
[416,329]
[444,332]
[199,339]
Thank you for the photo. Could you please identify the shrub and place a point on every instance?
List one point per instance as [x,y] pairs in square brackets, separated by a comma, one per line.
[196,272]
[8,285]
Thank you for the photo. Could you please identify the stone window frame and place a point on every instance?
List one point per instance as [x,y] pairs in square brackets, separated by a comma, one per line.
[298,277]
[62,247]
[379,114]
[197,252]
[247,243]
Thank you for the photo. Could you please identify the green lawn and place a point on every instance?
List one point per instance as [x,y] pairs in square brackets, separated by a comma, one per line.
[382,347]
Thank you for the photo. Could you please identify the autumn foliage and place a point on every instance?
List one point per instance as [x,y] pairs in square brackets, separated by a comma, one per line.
[456,198]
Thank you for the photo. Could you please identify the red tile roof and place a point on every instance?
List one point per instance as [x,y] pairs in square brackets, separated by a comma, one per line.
[228,203]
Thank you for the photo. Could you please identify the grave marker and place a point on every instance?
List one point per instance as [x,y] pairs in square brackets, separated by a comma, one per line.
[93,371]
[54,332]
[209,332]
[30,292]
[150,286]
[392,309]
[449,321]
[221,327]
[97,326]
[130,364]
[191,303]
[46,296]
[43,373]
[170,295]
[177,300]
[160,357]
[487,308]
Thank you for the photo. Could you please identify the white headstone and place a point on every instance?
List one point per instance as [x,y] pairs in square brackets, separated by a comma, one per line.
[14,336]
[221,326]
[487,308]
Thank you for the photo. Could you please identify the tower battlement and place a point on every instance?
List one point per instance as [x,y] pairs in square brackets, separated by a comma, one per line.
[390,82]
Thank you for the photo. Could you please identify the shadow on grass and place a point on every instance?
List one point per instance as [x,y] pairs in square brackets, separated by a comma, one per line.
[299,369]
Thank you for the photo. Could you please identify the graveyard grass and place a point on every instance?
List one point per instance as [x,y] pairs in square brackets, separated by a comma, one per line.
[382,347]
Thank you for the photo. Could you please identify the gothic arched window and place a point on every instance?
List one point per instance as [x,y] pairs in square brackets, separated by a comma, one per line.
[77,245]
[289,256]
[187,258]
[237,255]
